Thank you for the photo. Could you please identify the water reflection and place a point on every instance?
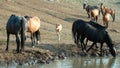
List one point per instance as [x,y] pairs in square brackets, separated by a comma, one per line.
[76,62]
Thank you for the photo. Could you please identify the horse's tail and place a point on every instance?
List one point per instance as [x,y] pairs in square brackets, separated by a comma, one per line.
[74,32]
[23,22]
[99,11]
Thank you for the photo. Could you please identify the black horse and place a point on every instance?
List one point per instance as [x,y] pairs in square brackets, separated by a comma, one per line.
[93,32]
[16,25]
[89,8]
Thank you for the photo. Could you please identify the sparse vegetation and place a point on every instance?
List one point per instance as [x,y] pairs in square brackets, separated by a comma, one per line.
[50,13]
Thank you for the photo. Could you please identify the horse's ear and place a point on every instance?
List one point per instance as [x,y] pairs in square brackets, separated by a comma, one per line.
[101,4]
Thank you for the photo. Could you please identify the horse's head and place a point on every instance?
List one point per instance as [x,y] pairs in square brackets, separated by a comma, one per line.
[110,44]
[27,17]
[113,51]
[101,4]
[84,5]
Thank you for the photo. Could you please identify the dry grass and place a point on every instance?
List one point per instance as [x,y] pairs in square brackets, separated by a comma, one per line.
[50,13]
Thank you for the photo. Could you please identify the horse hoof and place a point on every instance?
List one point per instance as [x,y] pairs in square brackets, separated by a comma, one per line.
[6,50]
[33,46]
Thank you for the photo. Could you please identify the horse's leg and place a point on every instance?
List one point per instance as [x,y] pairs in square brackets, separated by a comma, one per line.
[99,12]
[37,34]
[8,38]
[88,14]
[107,25]
[91,46]
[86,41]
[18,43]
[96,18]
[23,38]
[101,50]
[113,16]
[59,38]
[77,40]
[82,44]
[32,39]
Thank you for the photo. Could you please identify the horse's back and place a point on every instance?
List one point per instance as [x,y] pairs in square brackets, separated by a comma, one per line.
[106,17]
[13,24]
[91,30]
[96,25]
[33,24]
[95,12]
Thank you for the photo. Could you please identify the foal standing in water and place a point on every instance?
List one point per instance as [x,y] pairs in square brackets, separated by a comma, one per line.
[58,30]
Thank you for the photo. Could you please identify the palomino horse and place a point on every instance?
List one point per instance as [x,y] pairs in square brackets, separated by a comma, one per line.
[107,10]
[16,25]
[88,9]
[33,28]
[106,19]
[93,32]
[58,29]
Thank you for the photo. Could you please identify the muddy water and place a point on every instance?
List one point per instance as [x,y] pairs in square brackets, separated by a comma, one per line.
[76,62]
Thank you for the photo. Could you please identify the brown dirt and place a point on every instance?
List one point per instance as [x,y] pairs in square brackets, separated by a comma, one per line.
[50,13]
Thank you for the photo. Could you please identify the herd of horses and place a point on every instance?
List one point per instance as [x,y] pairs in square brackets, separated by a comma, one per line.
[91,30]
[94,11]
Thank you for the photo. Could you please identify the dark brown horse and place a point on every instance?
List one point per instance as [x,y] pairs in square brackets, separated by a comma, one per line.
[16,25]
[93,32]
[107,10]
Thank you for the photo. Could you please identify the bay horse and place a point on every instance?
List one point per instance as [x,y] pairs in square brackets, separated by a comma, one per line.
[33,28]
[89,8]
[96,34]
[16,25]
[107,10]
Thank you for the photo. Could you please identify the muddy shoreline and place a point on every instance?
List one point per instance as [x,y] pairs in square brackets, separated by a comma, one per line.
[44,54]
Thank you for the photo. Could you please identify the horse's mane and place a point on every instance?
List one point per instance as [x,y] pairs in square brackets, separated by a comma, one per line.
[96,25]
[28,17]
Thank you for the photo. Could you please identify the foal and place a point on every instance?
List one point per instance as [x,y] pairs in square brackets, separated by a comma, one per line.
[58,29]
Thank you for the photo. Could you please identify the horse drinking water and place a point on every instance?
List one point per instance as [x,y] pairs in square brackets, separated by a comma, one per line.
[96,34]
